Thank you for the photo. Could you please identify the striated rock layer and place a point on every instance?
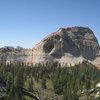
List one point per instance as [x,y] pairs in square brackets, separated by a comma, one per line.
[12,55]
[67,46]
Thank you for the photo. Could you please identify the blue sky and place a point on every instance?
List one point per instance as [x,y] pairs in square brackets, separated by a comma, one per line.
[26,22]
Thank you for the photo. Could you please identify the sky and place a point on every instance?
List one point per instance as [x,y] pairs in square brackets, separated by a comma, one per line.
[26,22]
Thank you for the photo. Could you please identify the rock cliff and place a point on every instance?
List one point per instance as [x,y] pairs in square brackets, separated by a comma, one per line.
[67,46]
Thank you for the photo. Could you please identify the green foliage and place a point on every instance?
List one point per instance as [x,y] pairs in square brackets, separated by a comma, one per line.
[20,82]
[30,85]
[66,81]
[69,80]
[43,83]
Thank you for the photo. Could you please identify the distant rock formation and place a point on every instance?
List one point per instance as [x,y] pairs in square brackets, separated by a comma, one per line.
[16,55]
[67,46]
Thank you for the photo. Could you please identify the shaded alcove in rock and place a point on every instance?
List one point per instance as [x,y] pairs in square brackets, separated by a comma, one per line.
[48,46]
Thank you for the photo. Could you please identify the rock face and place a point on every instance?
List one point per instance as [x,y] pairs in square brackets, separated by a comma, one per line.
[15,55]
[67,46]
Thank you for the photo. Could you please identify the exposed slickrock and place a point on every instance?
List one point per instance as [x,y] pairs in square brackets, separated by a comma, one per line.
[67,46]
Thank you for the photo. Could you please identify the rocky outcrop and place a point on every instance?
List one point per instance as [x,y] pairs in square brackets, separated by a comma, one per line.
[15,55]
[67,46]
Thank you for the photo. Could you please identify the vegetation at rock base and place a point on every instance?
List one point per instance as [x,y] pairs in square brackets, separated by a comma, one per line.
[46,82]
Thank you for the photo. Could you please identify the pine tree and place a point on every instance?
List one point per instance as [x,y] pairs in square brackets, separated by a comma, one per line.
[20,82]
[43,83]
[30,85]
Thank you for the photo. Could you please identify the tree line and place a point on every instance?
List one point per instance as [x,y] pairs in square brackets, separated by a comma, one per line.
[66,81]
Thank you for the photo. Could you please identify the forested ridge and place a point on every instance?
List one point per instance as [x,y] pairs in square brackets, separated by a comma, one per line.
[49,82]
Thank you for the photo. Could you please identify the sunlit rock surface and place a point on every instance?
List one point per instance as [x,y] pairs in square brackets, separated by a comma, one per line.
[67,46]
